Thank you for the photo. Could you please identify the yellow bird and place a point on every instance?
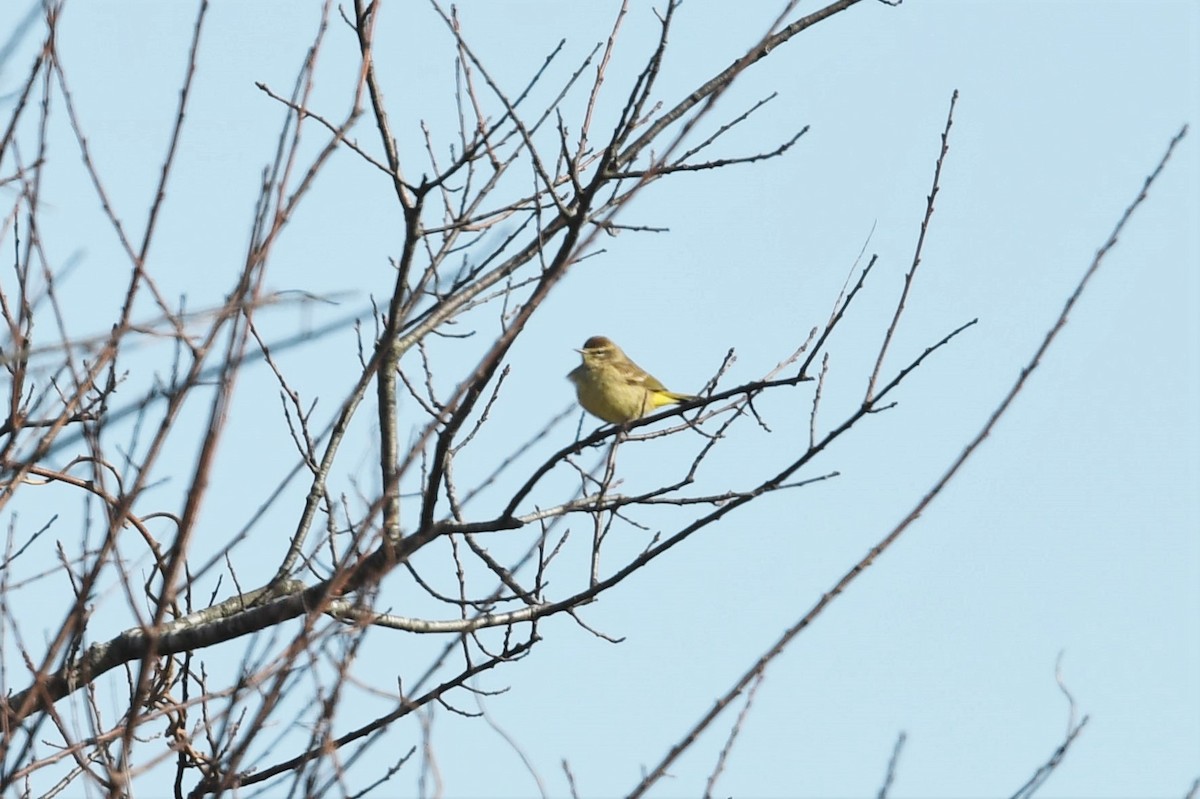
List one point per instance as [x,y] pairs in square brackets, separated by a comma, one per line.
[614,388]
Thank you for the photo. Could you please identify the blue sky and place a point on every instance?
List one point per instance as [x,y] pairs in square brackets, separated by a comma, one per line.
[1074,530]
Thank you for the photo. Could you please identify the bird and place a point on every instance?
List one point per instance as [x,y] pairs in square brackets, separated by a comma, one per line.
[615,389]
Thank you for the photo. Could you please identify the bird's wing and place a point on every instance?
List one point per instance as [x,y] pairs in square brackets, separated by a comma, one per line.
[637,376]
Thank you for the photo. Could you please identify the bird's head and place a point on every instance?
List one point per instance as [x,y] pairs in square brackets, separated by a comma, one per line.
[598,349]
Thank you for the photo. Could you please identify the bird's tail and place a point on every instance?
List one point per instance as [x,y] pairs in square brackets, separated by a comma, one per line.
[669,397]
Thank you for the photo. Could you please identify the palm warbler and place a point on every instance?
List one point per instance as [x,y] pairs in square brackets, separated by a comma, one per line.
[614,388]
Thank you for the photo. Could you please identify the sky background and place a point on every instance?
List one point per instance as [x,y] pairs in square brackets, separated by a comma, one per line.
[1074,530]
